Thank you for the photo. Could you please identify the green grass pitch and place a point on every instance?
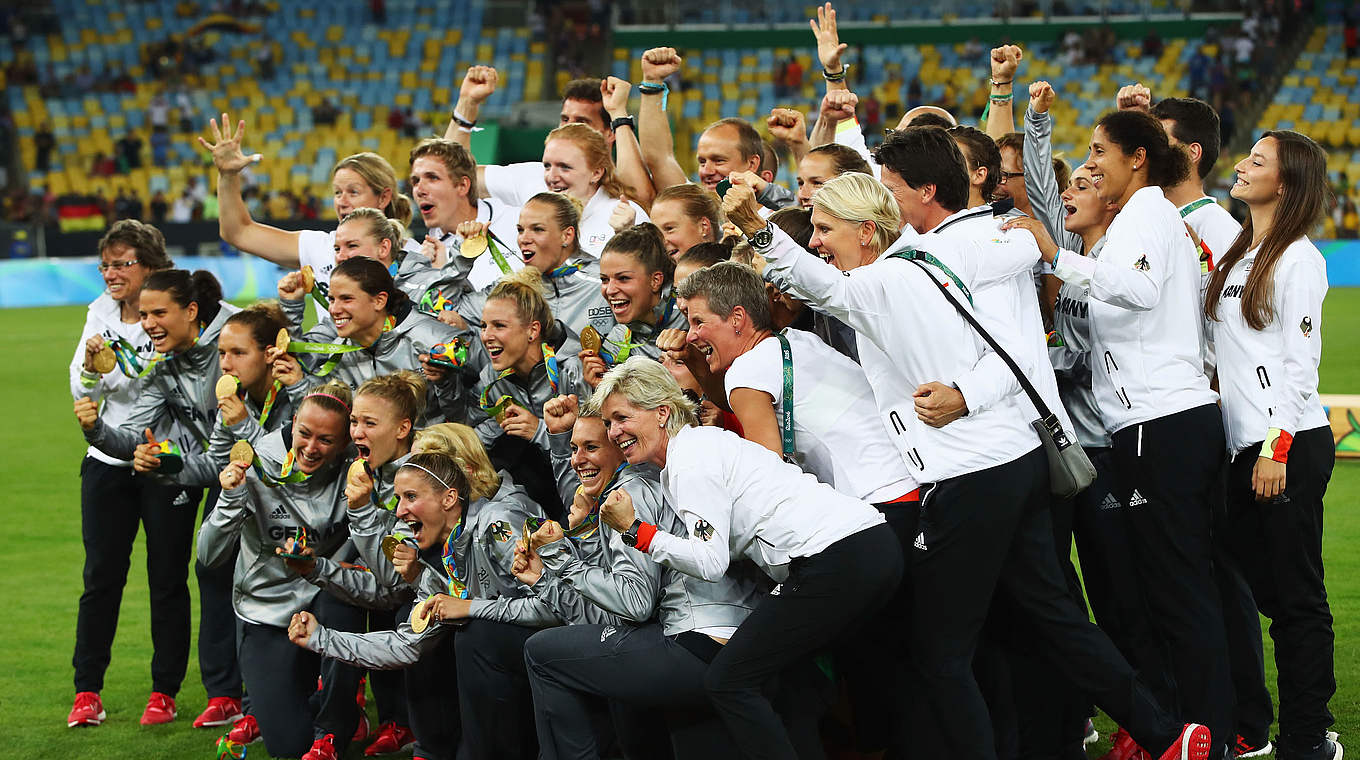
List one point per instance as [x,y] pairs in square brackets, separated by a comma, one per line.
[40,582]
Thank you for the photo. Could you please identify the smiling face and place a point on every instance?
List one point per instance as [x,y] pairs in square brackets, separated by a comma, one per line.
[170,326]
[319,437]
[353,238]
[714,336]
[680,231]
[354,311]
[631,291]
[594,457]
[565,170]
[431,511]
[1083,206]
[840,241]
[377,433]
[240,356]
[439,196]
[1258,175]
[351,192]
[719,154]
[911,206]
[543,244]
[1110,167]
[815,170]
[639,433]
[508,339]
[123,282]
[587,113]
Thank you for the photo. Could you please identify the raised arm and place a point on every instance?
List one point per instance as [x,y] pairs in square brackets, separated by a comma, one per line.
[233,221]
[788,125]
[478,85]
[654,129]
[829,50]
[628,163]
[837,106]
[1000,116]
[1045,197]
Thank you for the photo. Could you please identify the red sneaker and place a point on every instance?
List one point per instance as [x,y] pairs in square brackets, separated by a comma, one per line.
[322,749]
[1122,747]
[160,708]
[361,729]
[220,712]
[391,740]
[88,710]
[246,731]
[1194,743]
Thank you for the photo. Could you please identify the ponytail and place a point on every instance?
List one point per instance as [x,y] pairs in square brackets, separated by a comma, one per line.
[525,290]
[461,444]
[200,287]
[404,390]
[263,319]
[373,278]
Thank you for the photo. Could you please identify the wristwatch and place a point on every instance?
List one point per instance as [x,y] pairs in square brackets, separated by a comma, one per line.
[629,121]
[630,537]
[763,237]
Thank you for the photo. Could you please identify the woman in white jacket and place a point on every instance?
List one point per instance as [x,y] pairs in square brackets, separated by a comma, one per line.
[114,503]
[1264,309]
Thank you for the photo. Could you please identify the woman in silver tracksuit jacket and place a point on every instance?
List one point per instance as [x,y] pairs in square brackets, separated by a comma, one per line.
[294,492]
[381,333]
[655,657]
[185,315]
[479,534]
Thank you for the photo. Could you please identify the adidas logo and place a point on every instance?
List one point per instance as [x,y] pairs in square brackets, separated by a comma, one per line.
[1110,502]
[608,631]
[1136,500]
[920,542]
[777,588]
[279,513]
[182,499]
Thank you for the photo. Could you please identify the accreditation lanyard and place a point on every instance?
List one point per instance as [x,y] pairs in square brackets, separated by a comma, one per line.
[911,254]
[786,424]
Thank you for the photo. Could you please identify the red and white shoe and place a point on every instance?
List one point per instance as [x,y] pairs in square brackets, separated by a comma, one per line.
[1194,743]
[88,710]
[220,712]
[322,749]
[391,739]
[160,708]
[246,731]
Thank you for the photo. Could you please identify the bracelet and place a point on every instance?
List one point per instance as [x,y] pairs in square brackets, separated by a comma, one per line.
[837,77]
[1055,259]
[1001,98]
[1276,445]
[999,84]
[624,121]
[653,88]
[464,123]
[89,379]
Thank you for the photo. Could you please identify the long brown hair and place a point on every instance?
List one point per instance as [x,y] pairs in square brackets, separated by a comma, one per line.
[1306,197]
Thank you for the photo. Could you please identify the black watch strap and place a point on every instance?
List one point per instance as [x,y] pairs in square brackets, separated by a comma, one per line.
[630,537]
[628,121]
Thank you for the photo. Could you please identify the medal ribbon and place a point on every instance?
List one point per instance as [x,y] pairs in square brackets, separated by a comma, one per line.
[286,474]
[457,584]
[335,349]
[786,424]
[496,254]
[269,402]
[591,523]
[484,399]
[563,271]
[129,361]
[622,348]
[551,366]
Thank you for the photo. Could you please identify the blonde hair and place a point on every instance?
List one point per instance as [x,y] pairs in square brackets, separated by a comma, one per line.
[596,151]
[647,385]
[697,203]
[379,176]
[460,443]
[860,198]
[525,290]
[404,390]
[379,226]
[334,396]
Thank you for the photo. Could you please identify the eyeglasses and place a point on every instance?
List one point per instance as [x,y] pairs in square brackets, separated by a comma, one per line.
[116,265]
[1007,176]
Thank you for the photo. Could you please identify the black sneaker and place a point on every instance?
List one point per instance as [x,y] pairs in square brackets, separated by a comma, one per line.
[1322,748]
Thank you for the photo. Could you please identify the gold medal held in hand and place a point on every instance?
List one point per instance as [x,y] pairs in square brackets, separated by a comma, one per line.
[473,247]
[281,340]
[105,360]
[227,385]
[242,452]
[308,279]
[419,622]
[590,339]
[357,471]
[389,547]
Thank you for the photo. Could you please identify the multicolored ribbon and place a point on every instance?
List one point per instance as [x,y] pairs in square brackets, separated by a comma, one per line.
[269,402]
[591,522]
[457,583]
[563,271]
[286,474]
[130,362]
[484,399]
[551,367]
[451,355]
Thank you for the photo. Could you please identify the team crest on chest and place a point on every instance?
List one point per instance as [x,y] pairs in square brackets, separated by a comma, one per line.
[1306,327]
[500,530]
[1142,264]
[703,531]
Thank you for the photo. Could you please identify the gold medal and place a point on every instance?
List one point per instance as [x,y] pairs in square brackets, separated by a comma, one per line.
[419,622]
[389,547]
[590,339]
[242,452]
[281,340]
[472,247]
[105,360]
[308,279]
[357,471]
[227,386]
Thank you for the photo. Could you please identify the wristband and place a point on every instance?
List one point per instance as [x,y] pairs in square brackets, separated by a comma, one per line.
[460,121]
[644,537]
[653,88]
[89,379]
[624,121]
[1055,259]
[837,77]
[1277,445]
[1000,84]
[1001,98]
